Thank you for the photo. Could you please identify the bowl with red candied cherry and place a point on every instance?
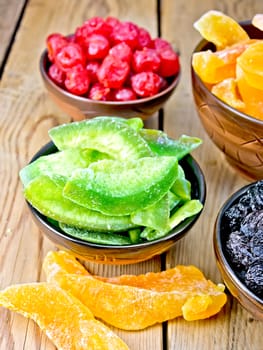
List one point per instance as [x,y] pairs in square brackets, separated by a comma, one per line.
[109,67]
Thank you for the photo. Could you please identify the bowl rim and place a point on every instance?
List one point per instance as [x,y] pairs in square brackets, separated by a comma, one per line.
[218,247]
[170,87]
[181,229]
[246,117]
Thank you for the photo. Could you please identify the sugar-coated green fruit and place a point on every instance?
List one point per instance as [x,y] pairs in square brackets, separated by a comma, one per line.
[45,194]
[121,188]
[105,134]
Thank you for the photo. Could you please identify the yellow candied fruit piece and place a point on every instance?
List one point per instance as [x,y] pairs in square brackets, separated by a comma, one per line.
[220,29]
[67,322]
[251,63]
[134,302]
[211,68]
[227,91]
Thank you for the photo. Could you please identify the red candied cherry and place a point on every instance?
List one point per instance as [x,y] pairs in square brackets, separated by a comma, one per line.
[123,94]
[113,72]
[121,51]
[146,84]
[97,47]
[160,44]
[113,22]
[94,25]
[170,64]
[144,38]
[77,80]
[54,43]
[146,60]
[92,69]
[126,32]
[69,56]
[99,92]
[56,75]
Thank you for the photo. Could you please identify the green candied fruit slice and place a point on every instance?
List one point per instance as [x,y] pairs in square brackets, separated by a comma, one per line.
[188,209]
[107,238]
[60,163]
[45,194]
[155,216]
[135,123]
[181,187]
[162,145]
[105,134]
[120,188]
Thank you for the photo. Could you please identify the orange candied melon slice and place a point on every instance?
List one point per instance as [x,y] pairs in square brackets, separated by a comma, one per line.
[220,29]
[227,91]
[251,63]
[136,302]
[257,21]
[66,321]
[210,67]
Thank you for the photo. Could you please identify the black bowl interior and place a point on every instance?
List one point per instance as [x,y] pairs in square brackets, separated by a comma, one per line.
[222,232]
[192,172]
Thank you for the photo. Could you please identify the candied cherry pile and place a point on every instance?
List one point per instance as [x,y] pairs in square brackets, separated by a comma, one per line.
[111,60]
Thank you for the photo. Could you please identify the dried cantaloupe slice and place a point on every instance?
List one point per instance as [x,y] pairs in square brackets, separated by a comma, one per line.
[210,67]
[136,302]
[251,63]
[227,91]
[257,21]
[220,29]
[66,321]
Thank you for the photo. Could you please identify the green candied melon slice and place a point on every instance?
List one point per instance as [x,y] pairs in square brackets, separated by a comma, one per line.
[162,145]
[120,188]
[155,216]
[45,194]
[135,123]
[108,238]
[181,187]
[60,163]
[105,134]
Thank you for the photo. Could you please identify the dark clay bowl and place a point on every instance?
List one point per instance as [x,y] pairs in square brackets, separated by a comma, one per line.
[236,134]
[79,108]
[232,275]
[130,253]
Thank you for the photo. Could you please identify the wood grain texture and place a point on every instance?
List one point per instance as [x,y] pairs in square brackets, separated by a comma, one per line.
[10,12]
[233,328]
[26,115]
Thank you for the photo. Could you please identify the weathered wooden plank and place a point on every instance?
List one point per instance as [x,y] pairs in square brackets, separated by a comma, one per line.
[26,115]
[233,328]
[10,12]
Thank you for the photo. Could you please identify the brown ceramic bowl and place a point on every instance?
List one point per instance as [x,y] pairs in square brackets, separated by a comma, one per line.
[232,273]
[126,254]
[79,107]
[236,134]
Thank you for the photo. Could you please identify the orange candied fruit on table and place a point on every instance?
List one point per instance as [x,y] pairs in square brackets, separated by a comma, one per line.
[67,322]
[220,29]
[136,302]
[227,91]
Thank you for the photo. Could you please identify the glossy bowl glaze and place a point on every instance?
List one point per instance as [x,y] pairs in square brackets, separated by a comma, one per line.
[236,134]
[123,254]
[79,108]
[247,298]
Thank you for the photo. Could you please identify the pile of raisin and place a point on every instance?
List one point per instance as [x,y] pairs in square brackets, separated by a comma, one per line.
[111,60]
[244,221]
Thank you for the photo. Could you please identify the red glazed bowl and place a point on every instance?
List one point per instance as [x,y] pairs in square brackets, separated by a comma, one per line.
[79,108]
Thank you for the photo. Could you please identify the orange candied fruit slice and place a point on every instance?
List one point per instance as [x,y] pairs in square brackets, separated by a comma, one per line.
[227,91]
[136,302]
[220,29]
[210,67]
[251,63]
[66,321]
